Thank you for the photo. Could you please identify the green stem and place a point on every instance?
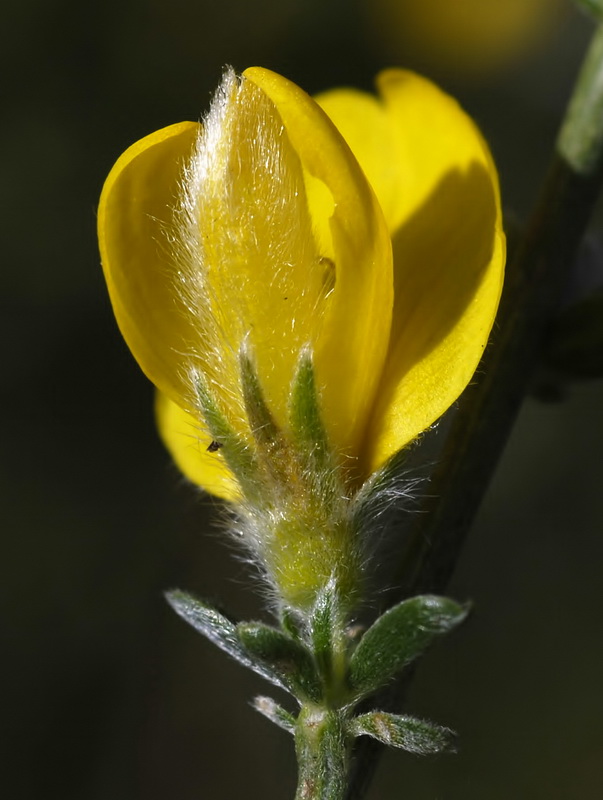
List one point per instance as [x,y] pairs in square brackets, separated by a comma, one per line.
[322,749]
[594,7]
[487,411]
[580,140]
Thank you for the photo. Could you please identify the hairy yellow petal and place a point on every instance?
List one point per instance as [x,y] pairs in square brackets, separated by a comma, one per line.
[350,350]
[193,451]
[252,268]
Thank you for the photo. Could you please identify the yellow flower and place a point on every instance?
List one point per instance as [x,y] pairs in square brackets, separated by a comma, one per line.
[465,38]
[249,263]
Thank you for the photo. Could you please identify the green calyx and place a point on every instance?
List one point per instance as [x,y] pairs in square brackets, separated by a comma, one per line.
[308,531]
[296,518]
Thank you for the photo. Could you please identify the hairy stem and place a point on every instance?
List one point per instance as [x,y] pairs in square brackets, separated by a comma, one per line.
[322,750]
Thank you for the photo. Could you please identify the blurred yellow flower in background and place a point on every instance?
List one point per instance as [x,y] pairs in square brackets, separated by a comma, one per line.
[471,39]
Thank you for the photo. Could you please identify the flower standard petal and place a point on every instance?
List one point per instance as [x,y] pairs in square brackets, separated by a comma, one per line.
[362,120]
[449,253]
[351,347]
[443,208]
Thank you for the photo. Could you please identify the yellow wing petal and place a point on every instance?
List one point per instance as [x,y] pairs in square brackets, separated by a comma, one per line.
[134,222]
[435,178]
[188,445]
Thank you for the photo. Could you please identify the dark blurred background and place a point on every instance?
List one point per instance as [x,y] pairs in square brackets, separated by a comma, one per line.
[106,694]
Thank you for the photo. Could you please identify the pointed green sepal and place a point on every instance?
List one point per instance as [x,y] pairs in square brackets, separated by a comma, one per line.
[261,421]
[304,413]
[275,713]
[407,733]
[220,630]
[236,451]
[391,488]
[398,637]
[288,658]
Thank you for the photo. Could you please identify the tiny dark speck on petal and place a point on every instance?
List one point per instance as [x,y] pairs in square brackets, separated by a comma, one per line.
[213,446]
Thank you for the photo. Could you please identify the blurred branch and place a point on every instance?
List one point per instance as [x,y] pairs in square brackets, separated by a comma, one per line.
[536,276]
[580,140]
[594,7]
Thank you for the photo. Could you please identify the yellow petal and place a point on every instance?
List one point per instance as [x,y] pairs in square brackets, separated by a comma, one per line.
[134,216]
[435,178]
[188,445]
[261,229]
[252,264]
[365,125]
[352,343]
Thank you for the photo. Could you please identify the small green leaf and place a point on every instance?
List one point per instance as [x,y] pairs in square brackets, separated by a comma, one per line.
[309,435]
[288,658]
[275,713]
[407,733]
[398,637]
[219,630]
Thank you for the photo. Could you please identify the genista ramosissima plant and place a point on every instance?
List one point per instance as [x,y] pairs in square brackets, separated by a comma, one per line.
[309,284]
